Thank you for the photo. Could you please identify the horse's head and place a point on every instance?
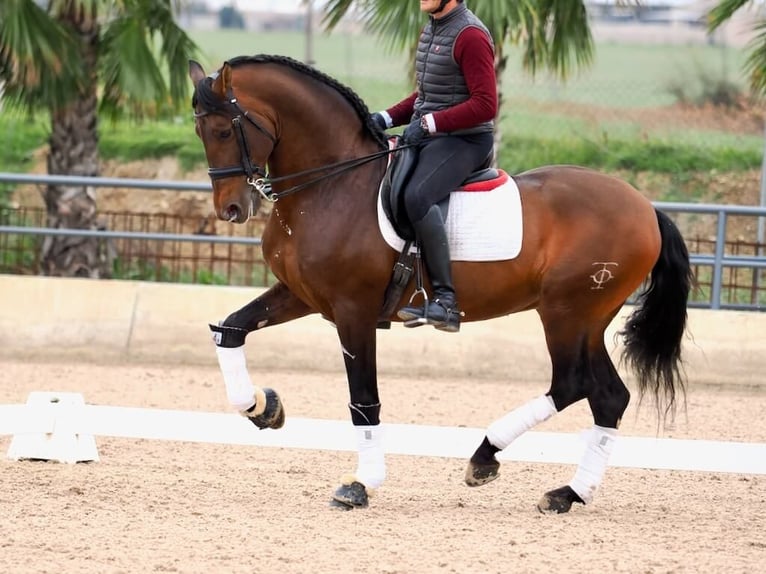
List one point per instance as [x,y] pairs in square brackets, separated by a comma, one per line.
[237,145]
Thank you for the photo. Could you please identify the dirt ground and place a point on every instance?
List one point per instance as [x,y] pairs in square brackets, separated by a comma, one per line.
[152,506]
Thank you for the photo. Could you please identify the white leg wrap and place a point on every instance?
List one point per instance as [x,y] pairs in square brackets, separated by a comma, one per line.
[505,430]
[239,389]
[371,466]
[593,464]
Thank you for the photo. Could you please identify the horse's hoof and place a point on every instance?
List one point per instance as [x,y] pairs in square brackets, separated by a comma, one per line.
[340,505]
[273,416]
[479,474]
[558,501]
[350,496]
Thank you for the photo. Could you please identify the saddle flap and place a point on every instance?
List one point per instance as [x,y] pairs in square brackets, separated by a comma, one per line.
[398,173]
[484,221]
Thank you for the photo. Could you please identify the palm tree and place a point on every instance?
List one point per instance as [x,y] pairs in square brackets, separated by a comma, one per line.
[755,65]
[555,34]
[74,60]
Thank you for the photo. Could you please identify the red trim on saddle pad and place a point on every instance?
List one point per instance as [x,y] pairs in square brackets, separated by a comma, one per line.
[487,185]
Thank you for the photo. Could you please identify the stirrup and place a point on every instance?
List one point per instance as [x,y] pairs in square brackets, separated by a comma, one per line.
[412,315]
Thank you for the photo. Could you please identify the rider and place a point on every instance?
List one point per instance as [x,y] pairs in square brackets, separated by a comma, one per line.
[450,120]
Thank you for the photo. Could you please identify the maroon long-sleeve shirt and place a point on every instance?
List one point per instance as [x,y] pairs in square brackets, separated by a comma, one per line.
[475,56]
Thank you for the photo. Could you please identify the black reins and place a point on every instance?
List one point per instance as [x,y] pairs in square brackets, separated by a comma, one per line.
[263,183]
[337,169]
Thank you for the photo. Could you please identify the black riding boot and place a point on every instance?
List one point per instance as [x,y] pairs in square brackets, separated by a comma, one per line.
[441,311]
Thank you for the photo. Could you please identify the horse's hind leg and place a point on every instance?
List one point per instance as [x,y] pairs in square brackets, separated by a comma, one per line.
[608,398]
[277,305]
[581,368]
[566,347]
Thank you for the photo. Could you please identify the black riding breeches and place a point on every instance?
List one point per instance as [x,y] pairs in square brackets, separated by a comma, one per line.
[443,164]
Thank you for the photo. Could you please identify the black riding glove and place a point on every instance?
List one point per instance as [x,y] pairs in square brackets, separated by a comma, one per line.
[379,121]
[414,133]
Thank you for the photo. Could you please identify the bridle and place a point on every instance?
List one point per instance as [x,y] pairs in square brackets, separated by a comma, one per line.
[256,175]
[246,166]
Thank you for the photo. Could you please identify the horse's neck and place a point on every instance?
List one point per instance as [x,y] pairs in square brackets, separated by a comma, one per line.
[318,127]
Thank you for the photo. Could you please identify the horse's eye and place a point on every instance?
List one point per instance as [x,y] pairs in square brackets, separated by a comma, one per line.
[223,134]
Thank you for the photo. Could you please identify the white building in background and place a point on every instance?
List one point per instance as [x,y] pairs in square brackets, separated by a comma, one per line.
[669,22]
[667,11]
[262,15]
[264,6]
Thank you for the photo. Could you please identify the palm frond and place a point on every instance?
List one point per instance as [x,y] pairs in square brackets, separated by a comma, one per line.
[722,12]
[554,33]
[38,57]
[144,59]
[755,64]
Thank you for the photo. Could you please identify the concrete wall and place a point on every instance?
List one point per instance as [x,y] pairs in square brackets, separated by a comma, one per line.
[79,319]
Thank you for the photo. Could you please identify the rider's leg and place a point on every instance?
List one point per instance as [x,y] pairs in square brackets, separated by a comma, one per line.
[444,162]
[441,311]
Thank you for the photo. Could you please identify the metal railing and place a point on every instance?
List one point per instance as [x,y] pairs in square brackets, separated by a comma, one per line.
[717,261]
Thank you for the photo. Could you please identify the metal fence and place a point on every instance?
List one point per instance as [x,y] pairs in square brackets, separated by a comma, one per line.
[730,272]
[143,246]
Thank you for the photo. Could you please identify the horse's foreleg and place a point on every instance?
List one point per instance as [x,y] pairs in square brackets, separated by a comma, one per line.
[277,305]
[358,341]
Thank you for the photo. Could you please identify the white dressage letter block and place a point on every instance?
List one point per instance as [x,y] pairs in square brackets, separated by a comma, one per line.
[53,425]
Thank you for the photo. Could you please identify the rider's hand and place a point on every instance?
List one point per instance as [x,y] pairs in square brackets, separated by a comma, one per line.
[379,121]
[414,133]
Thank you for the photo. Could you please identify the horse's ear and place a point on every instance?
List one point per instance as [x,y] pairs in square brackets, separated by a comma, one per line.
[196,73]
[222,82]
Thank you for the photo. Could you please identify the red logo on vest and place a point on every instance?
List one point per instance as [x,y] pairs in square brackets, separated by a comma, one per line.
[436,49]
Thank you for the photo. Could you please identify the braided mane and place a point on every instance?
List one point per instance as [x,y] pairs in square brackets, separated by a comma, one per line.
[205,96]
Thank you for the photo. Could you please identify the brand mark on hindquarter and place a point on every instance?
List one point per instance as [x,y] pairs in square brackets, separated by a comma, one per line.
[603,274]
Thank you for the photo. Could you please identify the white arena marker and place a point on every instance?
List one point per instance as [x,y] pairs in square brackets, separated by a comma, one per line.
[49,429]
[414,440]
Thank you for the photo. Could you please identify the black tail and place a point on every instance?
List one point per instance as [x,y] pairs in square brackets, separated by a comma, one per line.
[655,329]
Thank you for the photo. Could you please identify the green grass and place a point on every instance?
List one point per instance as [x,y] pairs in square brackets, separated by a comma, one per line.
[130,141]
[20,136]
[623,75]
[633,76]
[520,118]
[630,75]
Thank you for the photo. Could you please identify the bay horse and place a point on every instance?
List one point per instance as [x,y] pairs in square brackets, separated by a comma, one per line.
[590,240]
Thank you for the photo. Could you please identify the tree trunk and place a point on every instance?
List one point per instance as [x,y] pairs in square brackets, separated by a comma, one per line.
[74,151]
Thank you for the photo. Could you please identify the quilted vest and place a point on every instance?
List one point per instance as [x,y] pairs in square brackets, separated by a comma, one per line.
[440,82]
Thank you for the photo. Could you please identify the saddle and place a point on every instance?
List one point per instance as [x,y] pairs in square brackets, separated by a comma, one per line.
[398,173]
[400,168]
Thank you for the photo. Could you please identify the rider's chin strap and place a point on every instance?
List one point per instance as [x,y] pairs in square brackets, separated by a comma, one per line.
[442,4]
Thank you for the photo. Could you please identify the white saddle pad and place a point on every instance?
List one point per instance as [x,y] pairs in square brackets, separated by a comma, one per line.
[483,222]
